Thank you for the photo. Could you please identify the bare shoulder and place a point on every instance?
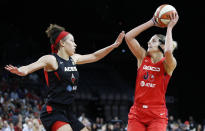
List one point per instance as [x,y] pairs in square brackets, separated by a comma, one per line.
[50,61]
[48,57]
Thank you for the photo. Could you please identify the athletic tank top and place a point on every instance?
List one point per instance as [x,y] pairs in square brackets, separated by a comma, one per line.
[62,83]
[151,83]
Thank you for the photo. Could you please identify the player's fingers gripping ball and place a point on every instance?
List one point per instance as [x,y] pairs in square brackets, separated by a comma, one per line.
[162,15]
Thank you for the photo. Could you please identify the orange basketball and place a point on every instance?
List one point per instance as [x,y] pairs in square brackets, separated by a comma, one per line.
[162,14]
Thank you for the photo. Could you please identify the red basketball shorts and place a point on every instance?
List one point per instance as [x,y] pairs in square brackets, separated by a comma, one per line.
[144,118]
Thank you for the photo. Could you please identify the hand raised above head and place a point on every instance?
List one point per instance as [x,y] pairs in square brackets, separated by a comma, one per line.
[119,39]
[174,19]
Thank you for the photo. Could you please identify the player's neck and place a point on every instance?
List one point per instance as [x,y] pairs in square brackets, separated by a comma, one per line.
[156,57]
[61,53]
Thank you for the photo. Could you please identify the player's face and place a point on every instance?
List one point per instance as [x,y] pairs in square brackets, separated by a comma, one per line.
[153,44]
[70,45]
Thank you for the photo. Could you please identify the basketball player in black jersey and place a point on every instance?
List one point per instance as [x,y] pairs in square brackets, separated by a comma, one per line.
[62,77]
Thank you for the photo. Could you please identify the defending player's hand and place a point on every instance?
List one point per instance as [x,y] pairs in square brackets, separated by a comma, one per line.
[119,39]
[13,70]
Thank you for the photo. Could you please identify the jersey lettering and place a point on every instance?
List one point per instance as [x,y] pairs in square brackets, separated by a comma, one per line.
[70,69]
[142,84]
[151,68]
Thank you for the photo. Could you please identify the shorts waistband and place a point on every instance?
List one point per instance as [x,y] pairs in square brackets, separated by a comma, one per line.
[147,106]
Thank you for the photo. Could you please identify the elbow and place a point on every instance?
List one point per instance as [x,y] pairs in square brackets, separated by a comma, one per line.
[168,51]
[127,37]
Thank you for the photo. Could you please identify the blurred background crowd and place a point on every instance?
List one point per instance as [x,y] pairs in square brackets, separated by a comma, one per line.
[21,102]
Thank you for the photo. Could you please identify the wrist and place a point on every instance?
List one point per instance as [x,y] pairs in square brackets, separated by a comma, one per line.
[169,28]
[153,20]
[22,71]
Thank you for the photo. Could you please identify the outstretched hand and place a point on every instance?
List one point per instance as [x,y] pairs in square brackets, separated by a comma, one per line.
[13,69]
[119,39]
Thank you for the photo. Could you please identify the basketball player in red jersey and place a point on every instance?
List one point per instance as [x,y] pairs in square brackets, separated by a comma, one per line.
[62,78]
[155,67]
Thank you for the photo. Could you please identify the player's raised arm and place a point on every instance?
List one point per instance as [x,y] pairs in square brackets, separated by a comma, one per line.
[43,62]
[93,57]
[133,44]
[170,61]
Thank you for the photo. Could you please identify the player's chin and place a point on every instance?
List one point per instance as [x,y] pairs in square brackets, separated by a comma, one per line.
[73,52]
[148,50]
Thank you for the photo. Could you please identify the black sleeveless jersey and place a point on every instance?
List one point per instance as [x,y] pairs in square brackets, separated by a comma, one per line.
[62,83]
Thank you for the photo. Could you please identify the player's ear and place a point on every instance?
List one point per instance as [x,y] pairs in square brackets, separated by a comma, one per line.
[62,43]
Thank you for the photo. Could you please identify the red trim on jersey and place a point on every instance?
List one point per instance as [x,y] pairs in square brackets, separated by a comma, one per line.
[49,109]
[60,36]
[46,77]
[56,73]
[57,125]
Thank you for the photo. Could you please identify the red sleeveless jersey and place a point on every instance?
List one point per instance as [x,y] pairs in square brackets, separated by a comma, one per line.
[151,83]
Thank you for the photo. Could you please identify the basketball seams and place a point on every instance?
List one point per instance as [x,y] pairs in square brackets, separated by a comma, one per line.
[166,15]
[162,14]
[165,9]
[157,14]
[160,8]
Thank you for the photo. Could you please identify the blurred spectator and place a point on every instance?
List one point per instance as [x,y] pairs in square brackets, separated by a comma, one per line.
[6,127]
[1,123]
[187,125]
[85,121]
[36,125]
[116,126]
[11,126]
[179,122]
[199,127]
[14,95]
[98,124]
[170,122]
[175,127]
[27,126]
[192,123]
[110,127]
[94,127]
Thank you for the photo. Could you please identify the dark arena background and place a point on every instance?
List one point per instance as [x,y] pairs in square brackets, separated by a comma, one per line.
[106,88]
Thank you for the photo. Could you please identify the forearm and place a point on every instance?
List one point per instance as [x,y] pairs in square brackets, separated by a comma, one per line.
[25,70]
[169,40]
[41,63]
[103,52]
[139,29]
[170,61]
